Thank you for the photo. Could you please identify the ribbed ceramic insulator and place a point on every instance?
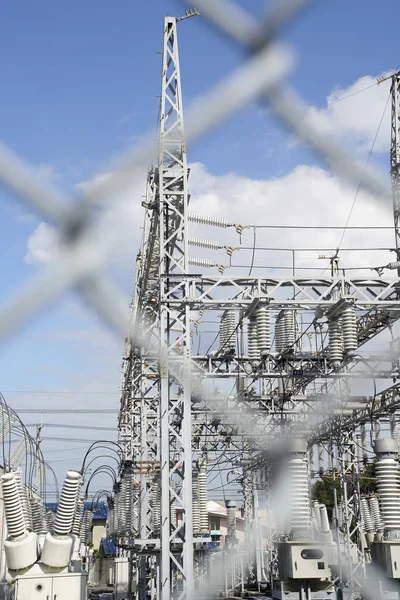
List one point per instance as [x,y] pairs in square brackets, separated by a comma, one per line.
[195,505]
[38,516]
[376,513]
[231,329]
[222,332]
[388,484]
[66,506]
[76,525]
[208,220]
[156,507]
[252,340]
[324,518]
[26,505]
[86,527]
[289,328]
[110,521]
[335,342]
[367,516]
[320,458]
[128,501]
[13,506]
[349,328]
[49,520]
[202,483]
[263,330]
[299,494]
[280,333]
[316,514]
[231,518]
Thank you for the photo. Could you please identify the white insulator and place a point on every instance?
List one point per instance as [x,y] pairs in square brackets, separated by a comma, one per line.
[49,519]
[205,243]
[324,518]
[230,329]
[86,527]
[156,507]
[26,506]
[128,501]
[252,340]
[320,458]
[316,514]
[299,500]
[231,518]
[202,262]
[66,506]
[367,516]
[13,506]
[349,328]
[388,483]
[38,516]
[195,505]
[376,513]
[393,265]
[76,525]
[207,220]
[280,333]
[263,330]
[289,328]
[202,483]
[335,342]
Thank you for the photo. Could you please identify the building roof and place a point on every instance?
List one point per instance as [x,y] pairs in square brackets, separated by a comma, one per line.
[100,509]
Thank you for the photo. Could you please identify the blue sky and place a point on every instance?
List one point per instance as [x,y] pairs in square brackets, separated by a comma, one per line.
[79,85]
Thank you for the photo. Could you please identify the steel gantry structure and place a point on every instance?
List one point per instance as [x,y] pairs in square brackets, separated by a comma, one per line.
[283,362]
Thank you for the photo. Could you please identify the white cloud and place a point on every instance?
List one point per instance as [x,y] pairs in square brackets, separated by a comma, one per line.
[354,115]
[42,245]
[306,195]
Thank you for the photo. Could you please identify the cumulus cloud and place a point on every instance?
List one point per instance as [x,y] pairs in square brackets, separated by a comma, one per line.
[306,195]
[42,245]
[354,115]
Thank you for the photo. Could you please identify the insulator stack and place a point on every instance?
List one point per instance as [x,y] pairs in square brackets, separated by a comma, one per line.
[13,506]
[127,484]
[26,506]
[388,484]
[394,428]
[376,513]
[316,514]
[202,483]
[324,518]
[67,504]
[231,518]
[263,330]
[299,493]
[252,340]
[320,458]
[280,333]
[49,520]
[110,521]
[205,243]
[335,342]
[76,525]
[349,328]
[195,505]
[118,517]
[86,527]
[38,516]
[156,507]
[339,516]
[227,331]
[207,220]
[367,517]
[289,329]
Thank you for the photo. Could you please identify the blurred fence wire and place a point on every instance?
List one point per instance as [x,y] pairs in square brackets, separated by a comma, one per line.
[82,259]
